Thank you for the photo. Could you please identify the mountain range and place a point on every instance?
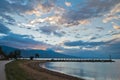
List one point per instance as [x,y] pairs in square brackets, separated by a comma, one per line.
[52,54]
[31,52]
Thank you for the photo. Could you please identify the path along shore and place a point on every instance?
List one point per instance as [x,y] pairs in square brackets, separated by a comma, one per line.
[2,69]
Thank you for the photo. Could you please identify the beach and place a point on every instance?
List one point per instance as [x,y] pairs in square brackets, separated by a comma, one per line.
[44,70]
[38,73]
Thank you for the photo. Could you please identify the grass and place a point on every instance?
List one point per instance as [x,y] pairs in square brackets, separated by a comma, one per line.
[15,72]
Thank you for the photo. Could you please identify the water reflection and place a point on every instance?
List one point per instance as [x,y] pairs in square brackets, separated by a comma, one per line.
[88,71]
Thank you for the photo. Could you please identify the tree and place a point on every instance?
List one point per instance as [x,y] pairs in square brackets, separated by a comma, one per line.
[31,57]
[2,53]
[11,55]
[15,54]
[37,55]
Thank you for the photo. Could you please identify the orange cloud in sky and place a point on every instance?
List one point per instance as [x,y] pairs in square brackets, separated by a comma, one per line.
[116,27]
[68,4]
[35,12]
[41,47]
[112,14]
[84,22]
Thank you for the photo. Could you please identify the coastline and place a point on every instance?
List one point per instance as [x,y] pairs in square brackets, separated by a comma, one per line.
[39,73]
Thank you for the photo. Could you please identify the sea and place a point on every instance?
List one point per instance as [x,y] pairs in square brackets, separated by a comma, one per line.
[87,70]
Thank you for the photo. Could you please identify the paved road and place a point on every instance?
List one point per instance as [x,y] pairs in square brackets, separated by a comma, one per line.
[2,69]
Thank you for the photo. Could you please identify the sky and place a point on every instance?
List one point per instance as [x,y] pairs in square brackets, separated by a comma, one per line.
[65,26]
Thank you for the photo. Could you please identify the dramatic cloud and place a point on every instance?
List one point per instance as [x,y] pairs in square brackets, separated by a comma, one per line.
[74,26]
[23,42]
[72,17]
[113,14]
[93,8]
[37,7]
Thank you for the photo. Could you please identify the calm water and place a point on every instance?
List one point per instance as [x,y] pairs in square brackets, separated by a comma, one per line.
[88,70]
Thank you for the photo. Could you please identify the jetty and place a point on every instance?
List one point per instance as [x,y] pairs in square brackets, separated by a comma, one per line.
[80,60]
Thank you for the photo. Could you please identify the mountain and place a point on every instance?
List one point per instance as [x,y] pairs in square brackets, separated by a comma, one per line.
[53,54]
[31,52]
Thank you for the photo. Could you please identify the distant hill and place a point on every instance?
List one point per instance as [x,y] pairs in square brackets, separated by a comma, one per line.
[53,54]
[31,52]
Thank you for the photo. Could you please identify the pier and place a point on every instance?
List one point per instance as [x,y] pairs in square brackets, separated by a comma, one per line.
[81,60]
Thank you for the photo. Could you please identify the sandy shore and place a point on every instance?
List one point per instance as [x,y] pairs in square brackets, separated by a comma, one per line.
[39,73]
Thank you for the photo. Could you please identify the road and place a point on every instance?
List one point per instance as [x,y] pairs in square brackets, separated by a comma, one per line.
[2,69]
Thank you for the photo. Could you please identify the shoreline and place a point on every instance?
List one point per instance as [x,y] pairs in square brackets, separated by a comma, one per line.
[49,73]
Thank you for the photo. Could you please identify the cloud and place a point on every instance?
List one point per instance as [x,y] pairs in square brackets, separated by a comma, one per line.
[41,18]
[2,35]
[113,14]
[4,29]
[113,47]
[35,12]
[58,34]
[116,27]
[54,19]
[60,16]
[116,9]
[12,7]
[42,7]
[84,22]
[56,15]
[100,28]
[9,6]
[116,34]
[50,29]
[7,19]
[68,4]
[80,15]
[92,37]
[22,42]
[48,5]
[93,8]
[20,7]
[110,18]
[82,43]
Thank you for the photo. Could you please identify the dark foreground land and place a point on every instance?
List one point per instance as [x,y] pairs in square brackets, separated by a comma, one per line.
[30,70]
